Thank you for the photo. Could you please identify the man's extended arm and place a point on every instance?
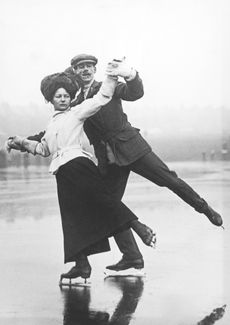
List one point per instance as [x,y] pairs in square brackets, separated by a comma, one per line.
[131,90]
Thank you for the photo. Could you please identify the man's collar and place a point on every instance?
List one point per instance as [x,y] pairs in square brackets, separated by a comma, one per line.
[95,85]
[80,97]
[87,86]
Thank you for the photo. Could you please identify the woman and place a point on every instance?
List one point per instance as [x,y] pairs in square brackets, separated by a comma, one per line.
[89,215]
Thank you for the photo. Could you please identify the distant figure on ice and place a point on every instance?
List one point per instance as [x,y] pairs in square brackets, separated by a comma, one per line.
[224,151]
[204,156]
[212,154]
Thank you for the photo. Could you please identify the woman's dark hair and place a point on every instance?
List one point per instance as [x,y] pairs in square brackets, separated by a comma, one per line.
[51,83]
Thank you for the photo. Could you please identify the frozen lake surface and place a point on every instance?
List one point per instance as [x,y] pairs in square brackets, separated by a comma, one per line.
[187,275]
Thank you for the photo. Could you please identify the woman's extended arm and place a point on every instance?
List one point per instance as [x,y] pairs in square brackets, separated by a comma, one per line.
[31,146]
[90,106]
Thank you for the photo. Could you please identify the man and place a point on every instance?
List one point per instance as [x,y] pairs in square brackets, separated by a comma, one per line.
[120,148]
[125,148]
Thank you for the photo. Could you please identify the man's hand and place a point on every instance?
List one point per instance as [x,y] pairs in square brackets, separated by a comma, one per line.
[120,68]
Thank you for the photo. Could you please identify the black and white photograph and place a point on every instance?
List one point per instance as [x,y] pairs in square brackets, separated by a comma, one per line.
[115,162]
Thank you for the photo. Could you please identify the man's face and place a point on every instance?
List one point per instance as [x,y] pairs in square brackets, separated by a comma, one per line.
[85,71]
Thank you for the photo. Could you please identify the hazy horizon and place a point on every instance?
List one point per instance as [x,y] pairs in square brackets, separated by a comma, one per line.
[156,121]
[180,48]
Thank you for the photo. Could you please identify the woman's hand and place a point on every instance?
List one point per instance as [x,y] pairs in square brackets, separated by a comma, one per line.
[14,142]
[119,68]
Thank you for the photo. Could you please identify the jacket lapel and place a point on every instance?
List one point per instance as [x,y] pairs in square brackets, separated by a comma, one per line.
[93,89]
[78,100]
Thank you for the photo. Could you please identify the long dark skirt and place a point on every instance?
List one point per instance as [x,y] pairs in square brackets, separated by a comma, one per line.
[89,213]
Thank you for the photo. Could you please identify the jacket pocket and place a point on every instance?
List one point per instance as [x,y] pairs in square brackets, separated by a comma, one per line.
[127,134]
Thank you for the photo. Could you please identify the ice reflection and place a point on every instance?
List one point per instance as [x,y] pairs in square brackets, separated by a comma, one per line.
[77,303]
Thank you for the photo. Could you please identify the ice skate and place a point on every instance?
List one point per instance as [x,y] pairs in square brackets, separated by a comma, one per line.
[213,216]
[78,271]
[131,272]
[126,267]
[145,233]
[127,263]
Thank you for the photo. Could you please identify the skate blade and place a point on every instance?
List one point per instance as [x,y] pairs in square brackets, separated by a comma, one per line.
[79,283]
[125,273]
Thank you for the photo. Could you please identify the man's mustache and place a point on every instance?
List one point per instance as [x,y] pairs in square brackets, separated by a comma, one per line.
[86,73]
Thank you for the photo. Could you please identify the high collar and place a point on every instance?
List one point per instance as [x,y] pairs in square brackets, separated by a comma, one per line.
[61,112]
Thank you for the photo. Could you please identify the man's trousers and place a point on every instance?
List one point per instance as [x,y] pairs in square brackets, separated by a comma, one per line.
[151,167]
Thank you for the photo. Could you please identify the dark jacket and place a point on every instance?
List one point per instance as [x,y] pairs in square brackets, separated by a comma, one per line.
[110,125]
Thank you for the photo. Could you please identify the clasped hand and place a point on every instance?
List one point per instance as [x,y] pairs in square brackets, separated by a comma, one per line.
[119,68]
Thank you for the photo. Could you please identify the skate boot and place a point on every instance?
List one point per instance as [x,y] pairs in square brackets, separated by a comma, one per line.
[144,232]
[82,270]
[213,216]
[126,263]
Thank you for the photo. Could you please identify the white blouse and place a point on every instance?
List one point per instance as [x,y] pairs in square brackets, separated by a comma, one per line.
[64,134]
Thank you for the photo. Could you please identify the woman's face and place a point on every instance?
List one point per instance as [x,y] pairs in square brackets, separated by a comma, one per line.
[61,100]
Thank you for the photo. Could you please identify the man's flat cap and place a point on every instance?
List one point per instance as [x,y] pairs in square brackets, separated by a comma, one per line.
[81,58]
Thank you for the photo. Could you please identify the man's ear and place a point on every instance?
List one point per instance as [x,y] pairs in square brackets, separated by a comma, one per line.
[95,69]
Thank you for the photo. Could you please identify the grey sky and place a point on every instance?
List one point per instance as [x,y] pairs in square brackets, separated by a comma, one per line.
[180,47]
